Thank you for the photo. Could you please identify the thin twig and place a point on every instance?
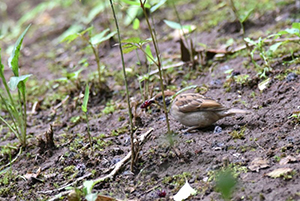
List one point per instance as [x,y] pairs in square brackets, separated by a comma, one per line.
[117,167]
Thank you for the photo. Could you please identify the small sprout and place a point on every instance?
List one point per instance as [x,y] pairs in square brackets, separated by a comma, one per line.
[238,134]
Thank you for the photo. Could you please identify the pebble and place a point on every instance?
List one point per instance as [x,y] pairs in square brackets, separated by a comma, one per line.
[217,129]
[291,77]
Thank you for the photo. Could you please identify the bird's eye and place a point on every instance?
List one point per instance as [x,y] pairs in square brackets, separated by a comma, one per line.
[159,98]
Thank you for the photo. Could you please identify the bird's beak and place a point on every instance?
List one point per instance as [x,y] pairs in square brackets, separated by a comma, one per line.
[152,100]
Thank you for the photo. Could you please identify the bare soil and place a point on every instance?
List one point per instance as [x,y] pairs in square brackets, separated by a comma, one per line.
[164,162]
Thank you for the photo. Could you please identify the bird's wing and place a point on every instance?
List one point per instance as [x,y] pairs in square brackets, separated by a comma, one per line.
[191,102]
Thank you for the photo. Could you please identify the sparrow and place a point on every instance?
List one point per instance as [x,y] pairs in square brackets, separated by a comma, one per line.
[194,110]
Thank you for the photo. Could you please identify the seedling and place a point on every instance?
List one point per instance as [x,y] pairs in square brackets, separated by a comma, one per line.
[241,18]
[84,109]
[133,149]
[17,109]
[93,41]
[295,117]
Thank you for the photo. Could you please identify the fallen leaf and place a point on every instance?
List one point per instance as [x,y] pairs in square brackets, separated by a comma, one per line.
[105,198]
[258,163]
[279,172]
[30,175]
[264,84]
[185,192]
[177,33]
[287,159]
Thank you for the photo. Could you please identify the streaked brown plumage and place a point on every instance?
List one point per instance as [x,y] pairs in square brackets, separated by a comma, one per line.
[195,110]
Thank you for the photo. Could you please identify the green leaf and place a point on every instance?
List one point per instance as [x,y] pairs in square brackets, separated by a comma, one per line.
[248,40]
[86,98]
[70,38]
[99,38]
[229,71]
[86,30]
[14,81]
[128,48]
[149,55]
[132,40]
[74,75]
[246,16]
[175,25]
[13,60]
[156,6]
[136,3]
[296,25]
[132,13]
[292,31]
[275,46]
[88,186]
[72,30]
[91,197]
[136,24]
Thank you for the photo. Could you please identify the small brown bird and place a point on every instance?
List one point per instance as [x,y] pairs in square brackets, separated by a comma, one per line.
[195,110]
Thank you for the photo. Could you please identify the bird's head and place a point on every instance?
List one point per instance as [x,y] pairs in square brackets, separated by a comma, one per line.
[158,99]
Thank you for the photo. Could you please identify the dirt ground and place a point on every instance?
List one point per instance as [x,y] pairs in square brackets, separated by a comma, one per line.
[165,162]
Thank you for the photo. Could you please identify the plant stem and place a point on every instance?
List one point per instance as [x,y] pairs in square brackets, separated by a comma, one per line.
[88,131]
[9,126]
[236,14]
[14,127]
[127,90]
[13,112]
[158,63]
[97,61]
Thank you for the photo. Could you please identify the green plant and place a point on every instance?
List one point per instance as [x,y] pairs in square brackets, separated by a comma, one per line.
[225,183]
[84,109]
[295,117]
[242,19]
[238,134]
[93,40]
[259,46]
[133,149]
[17,109]
[137,43]
[267,54]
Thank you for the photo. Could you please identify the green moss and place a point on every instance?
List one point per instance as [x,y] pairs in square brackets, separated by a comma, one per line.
[239,134]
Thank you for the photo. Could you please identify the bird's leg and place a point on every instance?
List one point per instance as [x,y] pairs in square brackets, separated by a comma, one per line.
[190,129]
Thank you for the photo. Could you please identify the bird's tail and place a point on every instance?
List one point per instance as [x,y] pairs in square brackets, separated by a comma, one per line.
[233,111]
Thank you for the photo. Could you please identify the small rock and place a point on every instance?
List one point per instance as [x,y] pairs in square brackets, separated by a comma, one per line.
[235,73]
[216,82]
[290,140]
[81,169]
[115,160]
[217,130]
[291,77]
